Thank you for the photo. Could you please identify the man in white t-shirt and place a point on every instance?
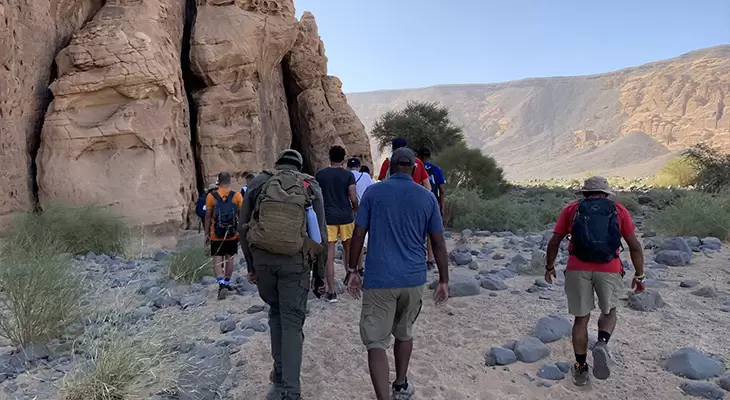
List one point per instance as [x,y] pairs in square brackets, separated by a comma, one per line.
[362,181]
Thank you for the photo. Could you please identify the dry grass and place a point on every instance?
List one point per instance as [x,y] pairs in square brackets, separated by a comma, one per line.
[190,264]
[694,214]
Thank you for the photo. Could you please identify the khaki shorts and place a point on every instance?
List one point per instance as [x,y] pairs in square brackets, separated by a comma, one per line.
[344,231]
[580,285]
[388,312]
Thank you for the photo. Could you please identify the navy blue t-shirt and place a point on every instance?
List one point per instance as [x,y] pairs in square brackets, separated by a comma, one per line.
[398,214]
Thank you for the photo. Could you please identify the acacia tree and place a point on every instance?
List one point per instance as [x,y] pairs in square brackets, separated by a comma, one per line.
[470,169]
[423,124]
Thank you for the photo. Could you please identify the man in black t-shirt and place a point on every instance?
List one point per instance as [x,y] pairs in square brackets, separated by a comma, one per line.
[340,204]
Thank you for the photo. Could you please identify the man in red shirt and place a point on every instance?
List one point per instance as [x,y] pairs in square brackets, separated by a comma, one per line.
[596,226]
[419,175]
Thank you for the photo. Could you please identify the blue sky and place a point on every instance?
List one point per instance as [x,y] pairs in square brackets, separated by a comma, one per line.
[391,44]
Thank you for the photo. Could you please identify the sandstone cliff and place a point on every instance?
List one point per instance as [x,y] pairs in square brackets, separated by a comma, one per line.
[152,98]
[626,122]
[31,34]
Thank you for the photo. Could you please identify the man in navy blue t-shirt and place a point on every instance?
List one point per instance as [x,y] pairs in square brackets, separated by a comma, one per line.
[397,213]
[438,187]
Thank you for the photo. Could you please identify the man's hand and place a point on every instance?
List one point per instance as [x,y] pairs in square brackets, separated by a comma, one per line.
[441,294]
[638,284]
[318,286]
[354,285]
[550,274]
[207,240]
[253,278]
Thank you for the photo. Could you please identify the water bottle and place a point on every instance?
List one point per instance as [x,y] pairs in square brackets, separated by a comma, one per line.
[313,225]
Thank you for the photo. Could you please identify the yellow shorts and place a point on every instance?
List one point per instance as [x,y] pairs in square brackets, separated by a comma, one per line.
[344,231]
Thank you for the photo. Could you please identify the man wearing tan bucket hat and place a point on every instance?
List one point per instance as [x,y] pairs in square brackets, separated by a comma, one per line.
[596,225]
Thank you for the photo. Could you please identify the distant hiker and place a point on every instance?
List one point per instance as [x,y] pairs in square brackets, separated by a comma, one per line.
[438,185]
[596,225]
[223,210]
[249,178]
[366,170]
[399,213]
[419,174]
[363,180]
[340,204]
[279,252]
[200,205]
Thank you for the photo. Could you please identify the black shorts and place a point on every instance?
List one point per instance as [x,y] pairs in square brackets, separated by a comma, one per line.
[223,247]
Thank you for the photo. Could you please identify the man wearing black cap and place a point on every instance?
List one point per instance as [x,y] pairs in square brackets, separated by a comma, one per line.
[419,174]
[399,214]
[284,279]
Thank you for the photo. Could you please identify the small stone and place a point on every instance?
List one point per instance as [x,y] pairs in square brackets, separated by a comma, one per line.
[551,372]
[490,282]
[504,234]
[142,313]
[461,258]
[500,356]
[461,285]
[690,363]
[255,325]
[530,349]
[482,233]
[498,256]
[191,301]
[673,258]
[208,280]
[536,265]
[228,325]
[90,256]
[541,283]
[534,289]
[474,265]
[705,390]
[724,382]
[467,233]
[563,366]
[160,256]
[689,283]
[510,344]
[712,243]
[645,301]
[257,308]
[165,300]
[552,328]
[218,317]
[544,384]
[706,291]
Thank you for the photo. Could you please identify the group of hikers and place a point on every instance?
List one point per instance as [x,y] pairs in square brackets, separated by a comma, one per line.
[288,223]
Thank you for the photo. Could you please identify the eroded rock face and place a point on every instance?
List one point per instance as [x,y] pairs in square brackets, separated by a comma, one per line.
[243,119]
[31,33]
[117,130]
[319,111]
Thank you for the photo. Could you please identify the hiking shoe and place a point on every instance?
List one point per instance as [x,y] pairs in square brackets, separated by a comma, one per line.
[580,374]
[430,266]
[403,392]
[601,357]
[331,297]
[275,393]
[222,291]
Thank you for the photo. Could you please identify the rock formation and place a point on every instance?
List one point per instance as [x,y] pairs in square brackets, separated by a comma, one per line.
[628,122]
[117,131]
[31,33]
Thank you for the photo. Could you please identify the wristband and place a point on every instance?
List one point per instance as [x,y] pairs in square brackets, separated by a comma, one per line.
[351,270]
[549,269]
[640,277]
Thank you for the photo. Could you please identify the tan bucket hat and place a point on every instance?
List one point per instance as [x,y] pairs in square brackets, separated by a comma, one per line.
[596,184]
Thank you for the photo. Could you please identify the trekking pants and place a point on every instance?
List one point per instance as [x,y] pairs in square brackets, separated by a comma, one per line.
[285,288]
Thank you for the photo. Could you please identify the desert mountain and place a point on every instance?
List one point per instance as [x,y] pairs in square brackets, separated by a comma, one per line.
[626,122]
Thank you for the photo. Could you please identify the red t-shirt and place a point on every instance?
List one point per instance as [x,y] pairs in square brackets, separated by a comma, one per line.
[565,224]
[419,174]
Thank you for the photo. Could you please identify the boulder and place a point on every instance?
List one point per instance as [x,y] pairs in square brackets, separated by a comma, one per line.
[673,258]
[536,265]
[705,390]
[461,285]
[530,349]
[467,233]
[706,291]
[690,363]
[119,106]
[552,328]
[711,243]
[678,244]
[500,356]
[646,301]
[460,257]
[493,282]
[551,372]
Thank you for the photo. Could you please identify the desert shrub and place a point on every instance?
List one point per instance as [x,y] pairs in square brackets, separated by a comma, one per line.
[694,214]
[190,264]
[467,209]
[713,168]
[40,293]
[628,200]
[660,198]
[423,124]
[680,171]
[471,170]
[78,228]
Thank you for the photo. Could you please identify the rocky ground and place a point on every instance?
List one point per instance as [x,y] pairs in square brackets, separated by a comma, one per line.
[504,334]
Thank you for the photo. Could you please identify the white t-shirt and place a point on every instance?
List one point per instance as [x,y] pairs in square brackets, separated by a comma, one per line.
[362,182]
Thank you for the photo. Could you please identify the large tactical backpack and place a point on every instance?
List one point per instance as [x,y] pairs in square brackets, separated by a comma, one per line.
[278,223]
[225,216]
[595,234]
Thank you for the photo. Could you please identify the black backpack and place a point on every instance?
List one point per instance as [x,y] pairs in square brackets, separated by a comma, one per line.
[596,235]
[225,213]
[434,186]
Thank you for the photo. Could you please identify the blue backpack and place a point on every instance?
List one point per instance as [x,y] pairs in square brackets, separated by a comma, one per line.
[595,234]
[200,205]
[225,216]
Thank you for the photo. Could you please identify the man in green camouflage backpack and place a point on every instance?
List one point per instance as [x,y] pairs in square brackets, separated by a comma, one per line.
[280,256]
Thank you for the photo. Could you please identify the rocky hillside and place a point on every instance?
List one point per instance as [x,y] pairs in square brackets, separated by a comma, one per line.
[626,122]
[149,100]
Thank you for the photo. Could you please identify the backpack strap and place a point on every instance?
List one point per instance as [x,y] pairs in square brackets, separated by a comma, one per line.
[360,177]
[229,198]
[216,196]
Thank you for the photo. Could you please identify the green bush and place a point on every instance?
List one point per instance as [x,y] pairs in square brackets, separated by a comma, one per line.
[190,264]
[713,168]
[467,209]
[40,293]
[680,171]
[628,200]
[79,229]
[660,198]
[471,170]
[694,214]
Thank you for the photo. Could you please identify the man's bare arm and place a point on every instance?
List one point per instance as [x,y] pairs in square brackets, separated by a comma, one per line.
[352,190]
[637,253]
[206,224]
[427,183]
[438,245]
[318,205]
[442,196]
[356,243]
[553,248]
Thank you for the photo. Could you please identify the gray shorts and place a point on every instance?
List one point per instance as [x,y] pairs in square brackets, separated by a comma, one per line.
[580,286]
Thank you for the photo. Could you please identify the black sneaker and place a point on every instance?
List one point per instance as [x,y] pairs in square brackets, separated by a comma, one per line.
[403,392]
[331,297]
[601,369]
[580,374]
